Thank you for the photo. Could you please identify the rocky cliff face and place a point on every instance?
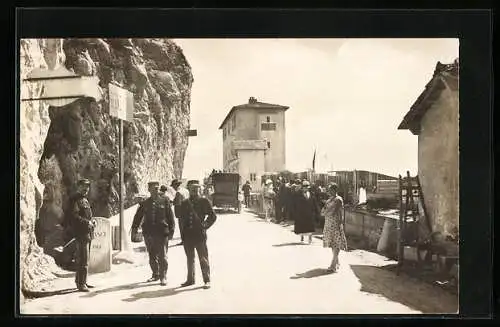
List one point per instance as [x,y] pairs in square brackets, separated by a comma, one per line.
[59,145]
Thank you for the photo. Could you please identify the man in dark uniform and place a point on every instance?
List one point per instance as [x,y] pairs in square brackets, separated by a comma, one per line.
[196,216]
[158,225]
[83,228]
[177,202]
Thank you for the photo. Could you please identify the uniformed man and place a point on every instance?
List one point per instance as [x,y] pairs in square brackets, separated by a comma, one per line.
[177,202]
[158,225]
[83,228]
[196,216]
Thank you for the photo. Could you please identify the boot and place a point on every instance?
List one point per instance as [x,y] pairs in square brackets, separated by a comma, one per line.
[153,279]
[83,288]
[187,283]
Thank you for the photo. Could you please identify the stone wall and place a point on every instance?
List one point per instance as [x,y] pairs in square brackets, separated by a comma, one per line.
[368,227]
[438,157]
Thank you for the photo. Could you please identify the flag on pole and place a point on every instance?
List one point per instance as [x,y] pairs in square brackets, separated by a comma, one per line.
[314,159]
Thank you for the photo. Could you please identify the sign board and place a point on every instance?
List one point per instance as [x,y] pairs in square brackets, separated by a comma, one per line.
[192,132]
[121,103]
[61,86]
[100,247]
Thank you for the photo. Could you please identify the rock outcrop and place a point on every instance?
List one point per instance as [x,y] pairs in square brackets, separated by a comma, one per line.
[59,145]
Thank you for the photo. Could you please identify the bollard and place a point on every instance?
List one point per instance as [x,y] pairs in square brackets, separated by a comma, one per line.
[100,248]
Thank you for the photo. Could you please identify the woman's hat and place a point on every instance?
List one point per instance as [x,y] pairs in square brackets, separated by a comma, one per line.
[306,183]
[268,181]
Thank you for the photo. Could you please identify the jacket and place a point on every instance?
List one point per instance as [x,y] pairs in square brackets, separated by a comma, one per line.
[194,226]
[81,215]
[156,217]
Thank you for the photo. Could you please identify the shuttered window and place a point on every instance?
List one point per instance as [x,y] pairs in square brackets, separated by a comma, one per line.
[268,126]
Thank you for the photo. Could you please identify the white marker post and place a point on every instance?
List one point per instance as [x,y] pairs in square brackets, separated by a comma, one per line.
[121,106]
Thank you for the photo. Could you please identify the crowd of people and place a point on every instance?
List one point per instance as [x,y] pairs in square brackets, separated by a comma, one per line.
[298,201]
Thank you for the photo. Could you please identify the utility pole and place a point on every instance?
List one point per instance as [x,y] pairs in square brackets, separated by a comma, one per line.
[122,232]
[121,106]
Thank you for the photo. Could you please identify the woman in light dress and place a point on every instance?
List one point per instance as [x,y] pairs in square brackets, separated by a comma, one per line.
[333,231]
[268,195]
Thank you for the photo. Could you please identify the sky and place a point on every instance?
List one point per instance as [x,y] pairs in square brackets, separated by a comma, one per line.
[346,97]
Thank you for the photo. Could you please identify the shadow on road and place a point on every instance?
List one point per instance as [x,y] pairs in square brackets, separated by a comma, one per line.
[312,273]
[402,289]
[119,288]
[159,293]
[65,274]
[142,248]
[289,244]
[50,293]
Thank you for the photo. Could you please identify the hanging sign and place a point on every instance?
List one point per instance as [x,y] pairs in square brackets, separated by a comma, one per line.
[60,86]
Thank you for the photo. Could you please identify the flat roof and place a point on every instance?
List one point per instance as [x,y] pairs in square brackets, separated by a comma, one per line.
[254,105]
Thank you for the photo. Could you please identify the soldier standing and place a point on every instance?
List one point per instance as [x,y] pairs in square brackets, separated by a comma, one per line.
[177,202]
[196,216]
[83,228]
[158,225]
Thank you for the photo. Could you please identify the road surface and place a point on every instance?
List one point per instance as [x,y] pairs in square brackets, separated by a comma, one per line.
[257,268]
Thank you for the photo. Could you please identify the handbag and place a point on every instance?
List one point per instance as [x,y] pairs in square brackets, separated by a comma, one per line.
[136,236]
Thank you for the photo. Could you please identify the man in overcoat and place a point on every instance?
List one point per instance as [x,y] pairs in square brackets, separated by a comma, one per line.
[158,226]
[196,216]
[82,226]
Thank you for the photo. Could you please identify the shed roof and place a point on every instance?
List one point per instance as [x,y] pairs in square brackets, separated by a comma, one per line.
[252,104]
[444,75]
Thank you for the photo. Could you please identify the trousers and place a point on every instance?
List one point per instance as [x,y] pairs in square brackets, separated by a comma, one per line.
[82,261]
[202,250]
[157,247]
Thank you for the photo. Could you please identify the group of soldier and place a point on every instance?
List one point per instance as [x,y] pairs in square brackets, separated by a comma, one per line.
[156,219]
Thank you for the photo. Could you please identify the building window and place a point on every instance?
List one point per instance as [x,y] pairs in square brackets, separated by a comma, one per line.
[253,177]
[268,119]
[268,144]
[268,126]
[234,122]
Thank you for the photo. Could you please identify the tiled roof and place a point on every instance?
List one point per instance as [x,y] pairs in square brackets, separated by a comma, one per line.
[252,105]
[444,74]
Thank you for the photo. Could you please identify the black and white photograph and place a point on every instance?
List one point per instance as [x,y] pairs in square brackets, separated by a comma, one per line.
[239,176]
